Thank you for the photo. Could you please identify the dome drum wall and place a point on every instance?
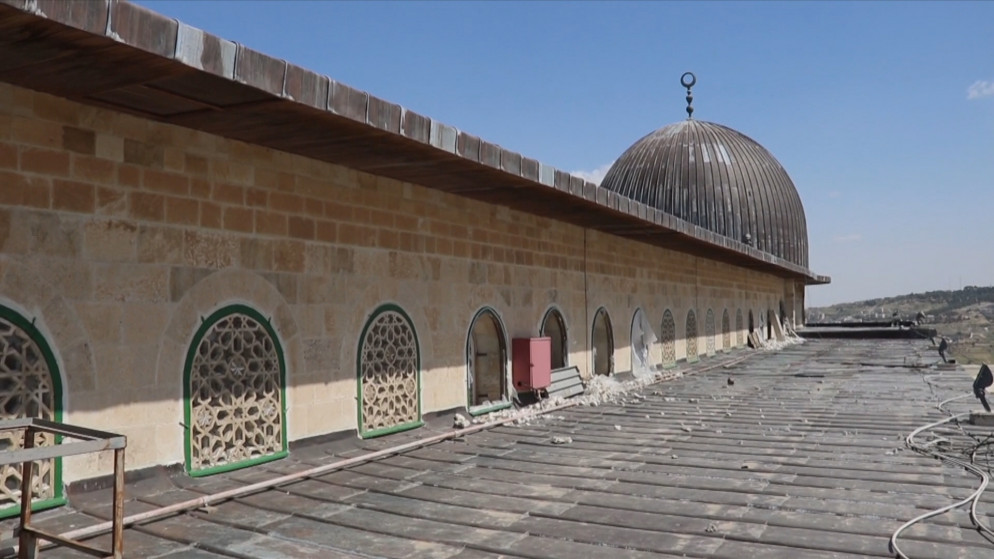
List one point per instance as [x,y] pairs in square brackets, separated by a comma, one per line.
[718,179]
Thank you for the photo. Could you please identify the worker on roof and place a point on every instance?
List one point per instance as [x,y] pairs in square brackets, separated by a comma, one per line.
[980,384]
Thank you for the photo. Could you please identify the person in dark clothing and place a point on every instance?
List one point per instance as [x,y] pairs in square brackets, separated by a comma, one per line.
[980,384]
[943,346]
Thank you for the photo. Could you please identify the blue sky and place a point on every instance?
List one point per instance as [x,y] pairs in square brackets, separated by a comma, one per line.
[882,113]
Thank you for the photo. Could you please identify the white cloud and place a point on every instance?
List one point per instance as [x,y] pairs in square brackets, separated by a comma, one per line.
[595,176]
[850,238]
[979,89]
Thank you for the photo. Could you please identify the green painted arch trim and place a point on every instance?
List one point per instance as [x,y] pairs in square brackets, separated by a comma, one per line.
[386,307]
[555,311]
[483,410]
[18,320]
[609,329]
[206,325]
[505,383]
[692,313]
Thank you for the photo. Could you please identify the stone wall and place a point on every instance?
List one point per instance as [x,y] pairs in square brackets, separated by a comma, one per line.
[119,235]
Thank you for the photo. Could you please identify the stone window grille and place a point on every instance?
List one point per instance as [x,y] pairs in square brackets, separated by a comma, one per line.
[709,332]
[389,374]
[691,336]
[235,392]
[668,338]
[30,386]
[726,331]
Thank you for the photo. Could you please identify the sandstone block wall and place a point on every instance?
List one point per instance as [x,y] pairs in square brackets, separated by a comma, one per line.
[118,235]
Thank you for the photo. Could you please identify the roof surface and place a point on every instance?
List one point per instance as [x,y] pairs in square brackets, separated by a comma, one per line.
[718,179]
[125,57]
[802,457]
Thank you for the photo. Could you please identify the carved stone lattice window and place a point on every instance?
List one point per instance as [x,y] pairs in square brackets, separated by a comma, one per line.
[28,388]
[691,335]
[388,373]
[739,328]
[235,395]
[668,338]
[726,331]
[709,332]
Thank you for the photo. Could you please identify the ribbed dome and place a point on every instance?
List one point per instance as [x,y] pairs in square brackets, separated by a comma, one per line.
[718,179]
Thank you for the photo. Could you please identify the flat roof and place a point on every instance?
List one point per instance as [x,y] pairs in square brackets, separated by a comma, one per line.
[803,455]
[128,58]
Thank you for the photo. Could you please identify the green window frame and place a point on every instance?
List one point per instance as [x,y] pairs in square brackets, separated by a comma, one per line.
[367,349]
[487,313]
[206,327]
[58,497]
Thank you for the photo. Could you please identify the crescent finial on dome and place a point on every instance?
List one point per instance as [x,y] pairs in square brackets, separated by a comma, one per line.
[688,79]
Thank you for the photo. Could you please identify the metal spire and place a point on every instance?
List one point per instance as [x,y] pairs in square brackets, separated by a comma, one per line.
[688,79]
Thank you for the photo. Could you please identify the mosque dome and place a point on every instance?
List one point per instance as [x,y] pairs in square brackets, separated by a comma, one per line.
[718,179]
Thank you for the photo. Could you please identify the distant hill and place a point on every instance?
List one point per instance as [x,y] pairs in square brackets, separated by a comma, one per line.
[964,316]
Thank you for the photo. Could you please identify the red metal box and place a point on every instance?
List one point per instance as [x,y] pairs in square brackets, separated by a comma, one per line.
[531,363]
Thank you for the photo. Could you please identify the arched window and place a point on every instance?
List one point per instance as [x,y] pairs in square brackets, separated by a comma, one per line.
[770,319]
[234,389]
[691,336]
[709,332]
[389,373]
[603,343]
[752,329]
[486,361]
[668,334]
[554,327]
[726,331]
[30,386]
[642,339]
[739,329]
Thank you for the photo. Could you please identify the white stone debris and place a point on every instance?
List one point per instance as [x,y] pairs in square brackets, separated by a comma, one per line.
[598,390]
[790,339]
[712,528]
[617,427]
[558,439]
